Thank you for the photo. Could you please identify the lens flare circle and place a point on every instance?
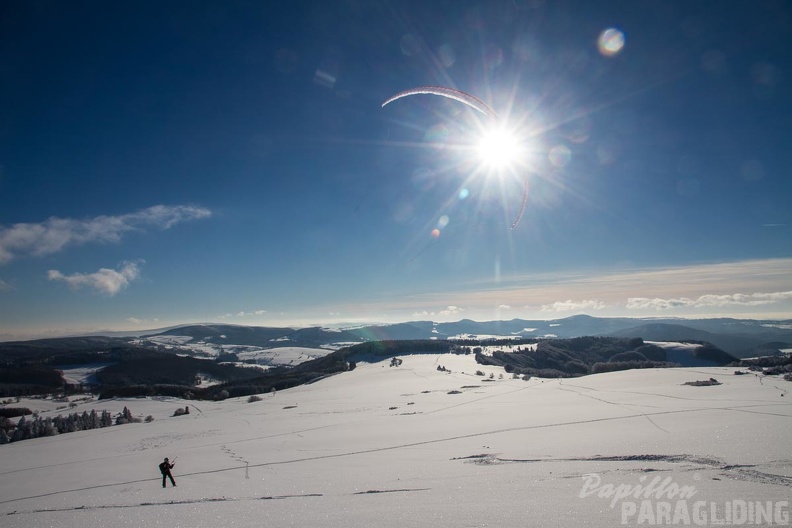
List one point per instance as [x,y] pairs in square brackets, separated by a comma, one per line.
[611,42]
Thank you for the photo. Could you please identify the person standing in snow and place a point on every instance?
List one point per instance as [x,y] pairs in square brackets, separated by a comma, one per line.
[165,468]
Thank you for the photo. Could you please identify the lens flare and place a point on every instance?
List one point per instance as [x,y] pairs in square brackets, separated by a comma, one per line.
[499,148]
[560,155]
[611,42]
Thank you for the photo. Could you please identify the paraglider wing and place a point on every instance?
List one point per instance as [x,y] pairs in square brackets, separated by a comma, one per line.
[456,95]
[523,204]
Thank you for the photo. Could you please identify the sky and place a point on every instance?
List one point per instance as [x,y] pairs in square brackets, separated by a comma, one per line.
[182,162]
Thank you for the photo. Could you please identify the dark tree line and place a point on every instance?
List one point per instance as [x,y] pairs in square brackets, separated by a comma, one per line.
[561,358]
[168,369]
[35,427]
[412,346]
[27,380]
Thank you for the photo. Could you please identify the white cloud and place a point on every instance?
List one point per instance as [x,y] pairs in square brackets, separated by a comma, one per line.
[55,234]
[573,306]
[106,281]
[4,285]
[504,307]
[708,301]
[644,303]
[448,311]
[248,314]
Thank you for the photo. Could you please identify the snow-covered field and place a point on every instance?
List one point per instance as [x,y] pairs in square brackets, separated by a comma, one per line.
[410,446]
[76,374]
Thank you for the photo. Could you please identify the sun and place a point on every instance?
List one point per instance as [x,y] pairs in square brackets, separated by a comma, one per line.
[500,148]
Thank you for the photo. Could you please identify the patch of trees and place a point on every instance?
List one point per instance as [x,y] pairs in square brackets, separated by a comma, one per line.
[14,412]
[395,348]
[87,357]
[27,428]
[710,352]
[703,383]
[38,374]
[31,375]
[48,351]
[497,342]
[613,366]
[767,361]
[156,368]
[26,380]
[770,365]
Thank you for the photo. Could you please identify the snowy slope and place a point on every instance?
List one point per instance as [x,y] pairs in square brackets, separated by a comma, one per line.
[412,446]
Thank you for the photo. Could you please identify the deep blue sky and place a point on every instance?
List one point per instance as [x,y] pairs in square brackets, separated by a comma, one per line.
[169,162]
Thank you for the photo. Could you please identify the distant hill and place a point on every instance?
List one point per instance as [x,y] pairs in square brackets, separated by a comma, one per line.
[736,336]
[737,344]
[260,336]
[740,337]
[665,332]
[397,332]
[225,333]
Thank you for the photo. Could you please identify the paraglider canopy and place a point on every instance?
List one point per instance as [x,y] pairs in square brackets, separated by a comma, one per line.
[450,93]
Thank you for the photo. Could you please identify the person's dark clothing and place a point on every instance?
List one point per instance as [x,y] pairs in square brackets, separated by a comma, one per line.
[165,468]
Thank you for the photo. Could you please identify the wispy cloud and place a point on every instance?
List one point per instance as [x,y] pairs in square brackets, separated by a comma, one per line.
[55,234]
[106,281]
[708,301]
[4,285]
[242,313]
[251,314]
[573,306]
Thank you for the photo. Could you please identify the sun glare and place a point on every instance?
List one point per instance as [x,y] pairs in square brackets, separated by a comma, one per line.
[499,148]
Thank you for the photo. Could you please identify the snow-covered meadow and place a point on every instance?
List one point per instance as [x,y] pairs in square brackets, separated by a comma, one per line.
[414,446]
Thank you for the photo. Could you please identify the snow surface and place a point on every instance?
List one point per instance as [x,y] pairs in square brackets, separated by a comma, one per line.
[76,374]
[412,446]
